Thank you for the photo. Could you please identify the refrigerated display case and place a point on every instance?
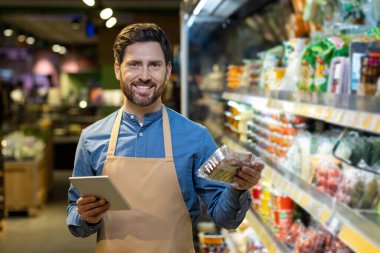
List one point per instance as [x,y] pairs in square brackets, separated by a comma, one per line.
[2,193]
[241,39]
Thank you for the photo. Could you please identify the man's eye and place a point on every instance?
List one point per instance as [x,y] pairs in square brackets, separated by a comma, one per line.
[156,65]
[132,64]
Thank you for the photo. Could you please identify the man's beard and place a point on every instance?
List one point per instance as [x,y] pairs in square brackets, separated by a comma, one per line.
[142,100]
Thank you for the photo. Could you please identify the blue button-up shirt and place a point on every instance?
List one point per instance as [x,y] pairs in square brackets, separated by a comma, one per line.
[192,146]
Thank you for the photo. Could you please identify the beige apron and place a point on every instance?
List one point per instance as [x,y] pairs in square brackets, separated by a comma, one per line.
[159,221]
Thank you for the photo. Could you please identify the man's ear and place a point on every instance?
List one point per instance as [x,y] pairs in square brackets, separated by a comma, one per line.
[168,72]
[116,68]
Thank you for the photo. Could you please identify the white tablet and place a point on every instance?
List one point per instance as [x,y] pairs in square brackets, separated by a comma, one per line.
[101,187]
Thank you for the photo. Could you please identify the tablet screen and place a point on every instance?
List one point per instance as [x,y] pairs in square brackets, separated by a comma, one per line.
[101,187]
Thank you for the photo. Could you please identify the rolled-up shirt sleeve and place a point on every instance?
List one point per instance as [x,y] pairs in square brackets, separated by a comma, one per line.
[225,205]
[82,167]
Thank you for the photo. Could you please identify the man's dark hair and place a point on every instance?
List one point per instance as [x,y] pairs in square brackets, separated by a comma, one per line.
[141,32]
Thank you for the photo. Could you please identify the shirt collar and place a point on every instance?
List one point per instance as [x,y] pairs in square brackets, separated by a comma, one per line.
[148,118]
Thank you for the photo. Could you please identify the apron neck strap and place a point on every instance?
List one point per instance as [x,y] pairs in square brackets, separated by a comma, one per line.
[114,134]
[167,135]
[166,131]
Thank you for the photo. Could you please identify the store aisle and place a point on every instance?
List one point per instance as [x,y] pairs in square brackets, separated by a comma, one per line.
[47,232]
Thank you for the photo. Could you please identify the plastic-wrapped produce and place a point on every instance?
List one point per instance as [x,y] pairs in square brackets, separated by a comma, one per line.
[327,176]
[223,165]
[371,192]
[295,231]
[351,188]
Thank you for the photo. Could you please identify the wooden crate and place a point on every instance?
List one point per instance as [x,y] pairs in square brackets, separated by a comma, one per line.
[25,185]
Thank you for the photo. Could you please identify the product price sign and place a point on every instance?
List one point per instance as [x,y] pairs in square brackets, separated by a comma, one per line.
[297,108]
[293,192]
[309,207]
[319,112]
[268,173]
[317,212]
[297,196]
[377,127]
[280,183]
[350,118]
[336,116]
[304,110]
[327,112]
[276,179]
[366,121]
[287,186]
[334,225]
[312,111]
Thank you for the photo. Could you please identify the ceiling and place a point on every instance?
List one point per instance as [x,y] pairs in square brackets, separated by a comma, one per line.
[51,20]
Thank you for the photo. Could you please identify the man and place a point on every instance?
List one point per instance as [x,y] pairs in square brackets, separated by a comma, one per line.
[152,154]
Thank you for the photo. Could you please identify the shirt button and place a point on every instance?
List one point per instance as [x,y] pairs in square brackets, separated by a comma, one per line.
[141,134]
[132,117]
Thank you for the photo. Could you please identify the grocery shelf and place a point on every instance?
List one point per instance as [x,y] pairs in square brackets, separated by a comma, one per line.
[270,241]
[215,94]
[229,241]
[352,227]
[215,129]
[360,112]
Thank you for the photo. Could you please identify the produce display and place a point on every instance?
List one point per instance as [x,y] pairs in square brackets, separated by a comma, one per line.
[327,176]
[18,146]
[283,217]
[331,64]
[332,47]
[315,238]
[358,189]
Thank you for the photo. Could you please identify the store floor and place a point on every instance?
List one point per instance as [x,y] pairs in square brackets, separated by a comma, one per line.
[47,232]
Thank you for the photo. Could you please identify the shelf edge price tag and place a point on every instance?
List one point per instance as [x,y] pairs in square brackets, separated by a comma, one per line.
[327,113]
[377,127]
[334,225]
[336,116]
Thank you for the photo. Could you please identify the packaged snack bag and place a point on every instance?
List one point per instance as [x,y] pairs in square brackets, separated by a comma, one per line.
[325,51]
[223,165]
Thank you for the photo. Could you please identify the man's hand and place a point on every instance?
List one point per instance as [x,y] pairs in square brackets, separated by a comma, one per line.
[248,176]
[91,209]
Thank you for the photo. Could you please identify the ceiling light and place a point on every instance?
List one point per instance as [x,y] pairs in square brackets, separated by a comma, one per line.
[89,2]
[21,38]
[111,22]
[8,32]
[106,13]
[82,104]
[62,50]
[56,48]
[30,40]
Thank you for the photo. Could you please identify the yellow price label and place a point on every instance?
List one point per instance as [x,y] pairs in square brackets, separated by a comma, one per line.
[304,110]
[377,127]
[350,118]
[319,111]
[336,115]
[363,120]
[327,113]
[324,215]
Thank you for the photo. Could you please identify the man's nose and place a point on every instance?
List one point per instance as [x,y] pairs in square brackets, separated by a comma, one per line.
[145,74]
